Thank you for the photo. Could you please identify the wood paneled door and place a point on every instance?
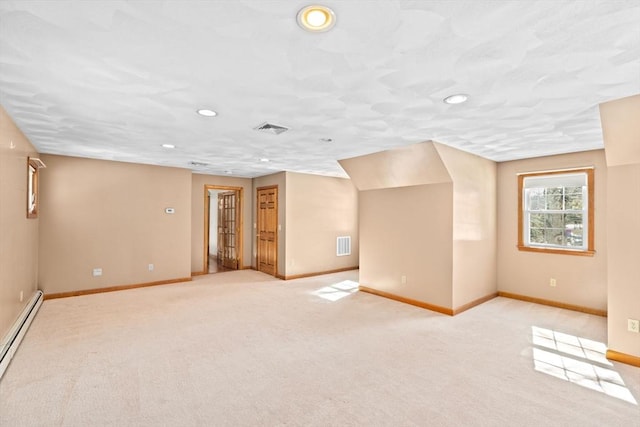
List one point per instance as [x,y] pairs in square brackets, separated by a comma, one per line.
[267,230]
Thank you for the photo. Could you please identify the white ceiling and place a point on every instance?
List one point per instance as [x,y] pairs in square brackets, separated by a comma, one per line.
[116,79]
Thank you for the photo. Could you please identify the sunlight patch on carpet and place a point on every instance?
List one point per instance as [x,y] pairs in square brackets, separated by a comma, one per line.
[557,354]
[337,290]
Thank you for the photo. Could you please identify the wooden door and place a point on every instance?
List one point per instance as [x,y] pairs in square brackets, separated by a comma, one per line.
[228,232]
[267,233]
[228,229]
[220,231]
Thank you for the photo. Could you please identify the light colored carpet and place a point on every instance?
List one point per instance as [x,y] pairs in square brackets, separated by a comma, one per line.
[242,349]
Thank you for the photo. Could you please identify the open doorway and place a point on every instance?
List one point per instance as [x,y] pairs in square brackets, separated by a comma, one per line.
[223,228]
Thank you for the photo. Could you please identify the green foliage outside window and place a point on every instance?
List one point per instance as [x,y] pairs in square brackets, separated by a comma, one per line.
[556,216]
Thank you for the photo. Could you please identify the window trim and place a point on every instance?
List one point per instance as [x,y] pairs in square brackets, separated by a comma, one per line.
[590,250]
[32,188]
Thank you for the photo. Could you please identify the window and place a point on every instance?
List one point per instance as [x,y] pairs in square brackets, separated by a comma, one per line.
[555,212]
[33,165]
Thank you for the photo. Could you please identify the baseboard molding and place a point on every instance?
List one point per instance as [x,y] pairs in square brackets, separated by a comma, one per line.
[623,358]
[405,300]
[319,273]
[114,288]
[198,273]
[474,303]
[204,273]
[557,304]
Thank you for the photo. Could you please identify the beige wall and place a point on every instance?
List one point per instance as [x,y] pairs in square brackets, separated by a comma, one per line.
[435,223]
[474,224]
[198,220]
[18,235]
[416,164]
[318,210]
[621,131]
[580,280]
[408,232]
[110,215]
[624,256]
[278,179]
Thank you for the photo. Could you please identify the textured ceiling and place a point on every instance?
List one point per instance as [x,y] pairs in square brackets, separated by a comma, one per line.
[116,79]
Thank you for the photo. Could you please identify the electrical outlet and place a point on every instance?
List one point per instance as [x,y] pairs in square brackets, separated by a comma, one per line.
[552,282]
[403,279]
[633,325]
[150,267]
[96,272]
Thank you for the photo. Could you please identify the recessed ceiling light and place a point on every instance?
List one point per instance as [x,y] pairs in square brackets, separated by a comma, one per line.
[168,146]
[264,159]
[316,18]
[326,139]
[207,113]
[458,98]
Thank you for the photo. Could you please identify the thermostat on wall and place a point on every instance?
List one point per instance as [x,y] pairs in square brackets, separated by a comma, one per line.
[169,210]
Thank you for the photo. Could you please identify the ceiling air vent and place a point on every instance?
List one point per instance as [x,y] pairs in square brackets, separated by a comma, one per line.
[198,164]
[271,128]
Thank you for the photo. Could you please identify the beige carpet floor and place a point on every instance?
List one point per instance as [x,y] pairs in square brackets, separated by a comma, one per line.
[242,349]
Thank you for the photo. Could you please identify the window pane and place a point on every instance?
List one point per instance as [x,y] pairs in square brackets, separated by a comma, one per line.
[536,235]
[537,220]
[574,231]
[573,220]
[554,236]
[573,198]
[554,198]
[536,199]
[554,221]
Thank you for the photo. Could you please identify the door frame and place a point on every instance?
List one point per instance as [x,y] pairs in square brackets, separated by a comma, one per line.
[257,243]
[240,225]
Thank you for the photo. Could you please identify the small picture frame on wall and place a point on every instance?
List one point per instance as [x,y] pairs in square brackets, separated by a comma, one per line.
[33,165]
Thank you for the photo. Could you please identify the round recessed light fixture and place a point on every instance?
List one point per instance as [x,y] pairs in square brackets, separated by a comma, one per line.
[168,146]
[264,159]
[458,98]
[207,113]
[316,18]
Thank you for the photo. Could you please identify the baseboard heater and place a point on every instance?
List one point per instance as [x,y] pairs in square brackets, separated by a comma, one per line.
[17,332]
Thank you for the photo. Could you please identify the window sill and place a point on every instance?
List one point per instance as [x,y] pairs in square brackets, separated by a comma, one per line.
[575,252]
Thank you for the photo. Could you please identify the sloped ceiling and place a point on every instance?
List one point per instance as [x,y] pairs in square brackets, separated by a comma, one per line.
[621,130]
[416,164]
[116,79]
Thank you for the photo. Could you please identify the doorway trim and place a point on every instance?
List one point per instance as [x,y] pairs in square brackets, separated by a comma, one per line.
[240,207]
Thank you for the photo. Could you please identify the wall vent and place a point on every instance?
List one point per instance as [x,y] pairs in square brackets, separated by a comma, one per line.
[271,128]
[343,246]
